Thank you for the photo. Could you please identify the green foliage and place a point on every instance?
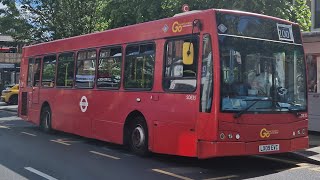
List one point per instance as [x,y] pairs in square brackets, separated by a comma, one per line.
[43,20]
[126,12]
[12,23]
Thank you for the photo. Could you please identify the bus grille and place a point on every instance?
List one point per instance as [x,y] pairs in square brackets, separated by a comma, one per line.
[24,102]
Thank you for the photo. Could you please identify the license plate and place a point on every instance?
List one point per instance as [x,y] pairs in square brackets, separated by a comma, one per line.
[269,148]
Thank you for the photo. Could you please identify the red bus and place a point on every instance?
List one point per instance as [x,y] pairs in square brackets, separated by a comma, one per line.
[200,84]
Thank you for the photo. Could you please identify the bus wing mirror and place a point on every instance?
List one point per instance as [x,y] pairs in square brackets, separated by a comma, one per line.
[188,53]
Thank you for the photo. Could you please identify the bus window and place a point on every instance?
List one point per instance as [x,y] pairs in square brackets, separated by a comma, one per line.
[86,69]
[179,76]
[139,66]
[206,75]
[48,71]
[65,71]
[109,68]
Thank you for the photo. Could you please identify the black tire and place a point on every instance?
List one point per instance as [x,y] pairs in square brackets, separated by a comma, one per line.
[13,100]
[45,119]
[138,137]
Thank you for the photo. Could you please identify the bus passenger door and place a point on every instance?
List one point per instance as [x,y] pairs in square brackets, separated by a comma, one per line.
[36,81]
[313,63]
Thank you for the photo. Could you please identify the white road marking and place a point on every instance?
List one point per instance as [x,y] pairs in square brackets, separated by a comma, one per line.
[61,142]
[105,155]
[171,174]
[4,127]
[28,134]
[40,173]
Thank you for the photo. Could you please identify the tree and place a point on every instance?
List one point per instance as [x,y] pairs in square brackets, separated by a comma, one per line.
[126,12]
[11,23]
[44,20]
[55,19]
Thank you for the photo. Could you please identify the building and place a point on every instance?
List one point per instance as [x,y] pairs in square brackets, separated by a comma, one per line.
[311,41]
[10,58]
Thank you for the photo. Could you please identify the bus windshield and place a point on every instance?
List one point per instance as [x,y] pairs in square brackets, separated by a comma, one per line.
[259,74]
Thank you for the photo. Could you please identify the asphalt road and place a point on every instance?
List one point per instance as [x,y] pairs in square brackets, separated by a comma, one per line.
[28,153]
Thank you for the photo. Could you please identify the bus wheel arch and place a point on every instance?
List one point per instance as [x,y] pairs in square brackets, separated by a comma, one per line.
[46,118]
[136,133]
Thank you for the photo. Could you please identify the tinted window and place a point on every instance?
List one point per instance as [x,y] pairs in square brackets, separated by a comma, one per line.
[179,76]
[86,69]
[139,66]
[253,26]
[49,71]
[65,70]
[109,68]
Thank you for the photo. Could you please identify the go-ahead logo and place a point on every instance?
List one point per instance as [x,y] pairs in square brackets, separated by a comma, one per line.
[264,133]
[177,27]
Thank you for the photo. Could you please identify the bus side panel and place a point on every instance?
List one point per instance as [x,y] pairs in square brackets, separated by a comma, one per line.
[108,117]
[174,128]
[62,109]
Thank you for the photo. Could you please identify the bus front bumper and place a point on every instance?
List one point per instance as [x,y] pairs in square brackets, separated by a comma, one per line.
[208,149]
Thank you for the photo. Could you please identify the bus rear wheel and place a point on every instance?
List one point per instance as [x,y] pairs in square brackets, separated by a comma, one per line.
[138,139]
[45,119]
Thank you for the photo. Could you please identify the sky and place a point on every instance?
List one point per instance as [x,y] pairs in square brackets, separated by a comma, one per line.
[2,6]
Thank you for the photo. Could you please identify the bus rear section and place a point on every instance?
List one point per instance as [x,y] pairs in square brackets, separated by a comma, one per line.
[262,88]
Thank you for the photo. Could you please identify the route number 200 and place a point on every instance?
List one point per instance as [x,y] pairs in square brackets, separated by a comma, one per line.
[191,97]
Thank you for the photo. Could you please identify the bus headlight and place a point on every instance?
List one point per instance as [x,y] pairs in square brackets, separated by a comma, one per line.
[230,136]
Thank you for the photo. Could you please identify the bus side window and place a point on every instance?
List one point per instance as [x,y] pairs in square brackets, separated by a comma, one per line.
[139,66]
[109,68]
[179,76]
[86,70]
[65,70]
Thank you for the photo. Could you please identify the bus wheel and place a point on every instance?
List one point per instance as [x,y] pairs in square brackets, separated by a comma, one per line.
[45,119]
[138,139]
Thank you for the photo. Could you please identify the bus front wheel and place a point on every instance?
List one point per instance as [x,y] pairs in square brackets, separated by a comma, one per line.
[45,123]
[138,139]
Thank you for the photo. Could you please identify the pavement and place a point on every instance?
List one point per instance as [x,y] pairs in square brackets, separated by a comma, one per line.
[312,154]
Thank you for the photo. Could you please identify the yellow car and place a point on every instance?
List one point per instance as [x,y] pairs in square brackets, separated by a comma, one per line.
[10,95]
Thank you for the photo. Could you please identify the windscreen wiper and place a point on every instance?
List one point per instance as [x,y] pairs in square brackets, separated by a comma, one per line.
[295,112]
[237,115]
